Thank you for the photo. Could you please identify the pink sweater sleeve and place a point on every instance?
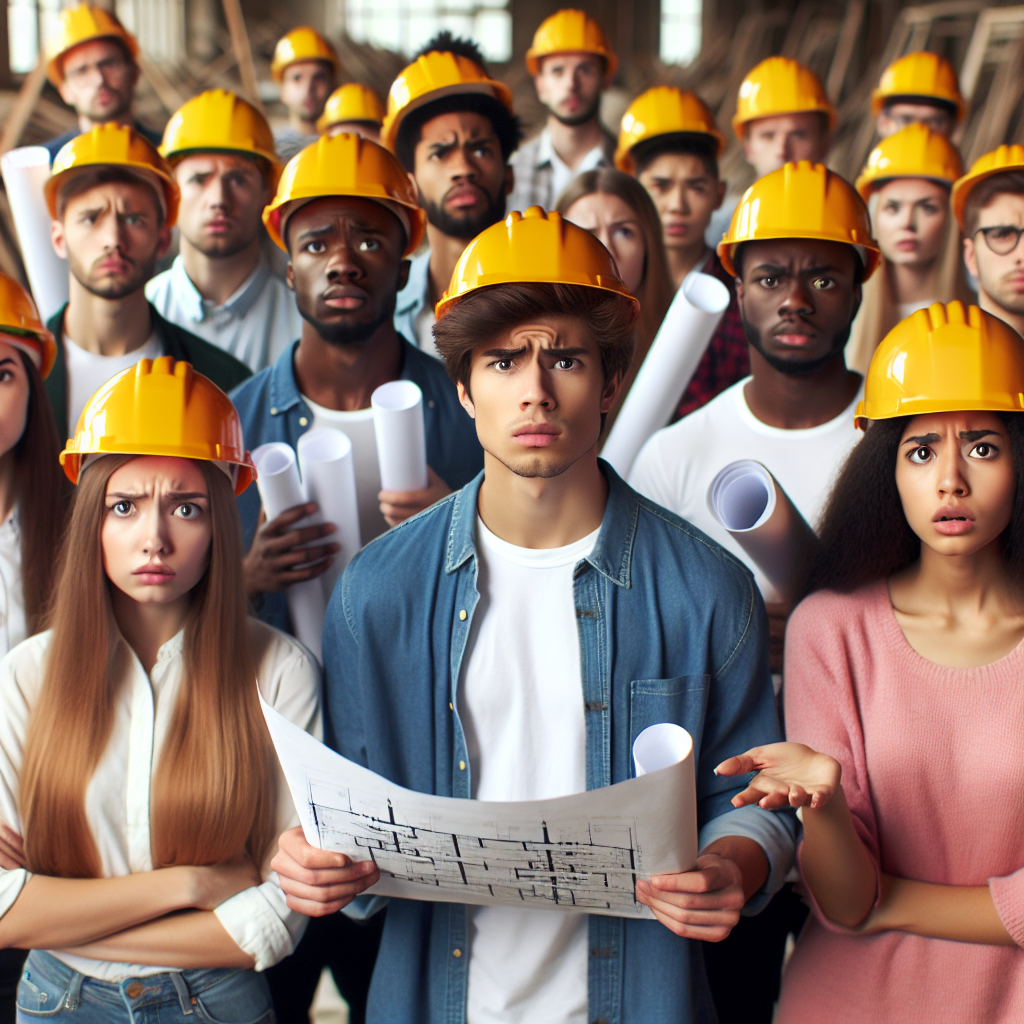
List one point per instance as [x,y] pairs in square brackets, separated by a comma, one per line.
[821,707]
[1008,897]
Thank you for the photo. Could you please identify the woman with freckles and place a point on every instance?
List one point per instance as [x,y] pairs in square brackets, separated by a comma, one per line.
[904,670]
[139,793]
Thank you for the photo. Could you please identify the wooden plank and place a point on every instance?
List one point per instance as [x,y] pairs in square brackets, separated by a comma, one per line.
[848,34]
[162,85]
[20,113]
[243,51]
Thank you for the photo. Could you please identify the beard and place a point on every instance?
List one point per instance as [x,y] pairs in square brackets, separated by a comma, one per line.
[118,288]
[465,225]
[343,334]
[794,368]
[575,120]
[221,248]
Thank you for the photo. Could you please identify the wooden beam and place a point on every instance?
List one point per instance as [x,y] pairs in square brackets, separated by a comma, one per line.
[162,85]
[28,96]
[243,51]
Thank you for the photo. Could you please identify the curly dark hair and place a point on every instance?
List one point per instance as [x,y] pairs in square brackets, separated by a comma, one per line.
[864,535]
[445,42]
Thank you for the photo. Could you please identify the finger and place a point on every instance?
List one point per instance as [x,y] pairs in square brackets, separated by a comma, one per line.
[289,517]
[760,787]
[704,902]
[298,538]
[12,837]
[714,933]
[740,764]
[406,499]
[704,880]
[329,893]
[287,578]
[310,909]
[8,861]
[292,844]
[296,557]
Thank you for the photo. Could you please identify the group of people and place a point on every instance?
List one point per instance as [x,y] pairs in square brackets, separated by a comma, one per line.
[508,630]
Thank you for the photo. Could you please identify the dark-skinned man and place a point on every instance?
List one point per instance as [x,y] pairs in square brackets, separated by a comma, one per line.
[453,129]
[92,62]
[346,246]
[799,263]
[113,200]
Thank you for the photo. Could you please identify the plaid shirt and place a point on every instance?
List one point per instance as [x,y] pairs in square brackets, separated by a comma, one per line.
[727,358]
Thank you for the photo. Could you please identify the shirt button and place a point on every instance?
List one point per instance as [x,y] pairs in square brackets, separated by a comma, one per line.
[456,953]
[303,422]
[462,615]
[462,766]
[273,410]
[430,403]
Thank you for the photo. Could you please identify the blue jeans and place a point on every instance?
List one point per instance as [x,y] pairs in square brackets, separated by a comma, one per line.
[50,989]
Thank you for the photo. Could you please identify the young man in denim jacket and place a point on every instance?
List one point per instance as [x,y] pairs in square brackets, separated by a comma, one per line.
[512,641]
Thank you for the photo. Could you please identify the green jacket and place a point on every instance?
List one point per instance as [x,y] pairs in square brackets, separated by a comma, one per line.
[224,370]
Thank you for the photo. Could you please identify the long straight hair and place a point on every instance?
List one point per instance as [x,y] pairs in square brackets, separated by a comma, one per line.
[864,535]
[43,494]
[213,793]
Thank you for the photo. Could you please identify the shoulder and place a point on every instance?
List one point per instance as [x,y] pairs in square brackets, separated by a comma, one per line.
[250,389]
[158,290]
[828,614]
[221,367]
[22,670]
[526,154]
[286,667]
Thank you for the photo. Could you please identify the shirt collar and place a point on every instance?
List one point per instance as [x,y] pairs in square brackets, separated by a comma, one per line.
[413,297]
[546,155]
[197,308]
[612,555]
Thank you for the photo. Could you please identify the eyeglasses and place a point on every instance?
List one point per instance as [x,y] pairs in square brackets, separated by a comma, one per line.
[1002,239]
[109,67]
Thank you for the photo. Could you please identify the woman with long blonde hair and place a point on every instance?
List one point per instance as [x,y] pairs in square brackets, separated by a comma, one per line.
[139,793]
[906,184]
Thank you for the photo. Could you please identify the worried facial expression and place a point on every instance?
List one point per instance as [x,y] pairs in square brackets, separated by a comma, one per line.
[569,85]
[770,142]
[14,393]
[305,86]
[1000,274]
[99,80]
[537,392]
[910,220]
[156,531]
[685,196]
[612,221]
[956,479]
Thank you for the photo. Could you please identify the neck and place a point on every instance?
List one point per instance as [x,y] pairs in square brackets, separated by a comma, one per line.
[913,282]
[147,627]
[217,278]
[7,484]
[799,401]
[301,125]
[987,303]
[107,327]
[959,585]
[445,251]
[343,377]
[86,123]
[532,512]
[573,142]
[682,259]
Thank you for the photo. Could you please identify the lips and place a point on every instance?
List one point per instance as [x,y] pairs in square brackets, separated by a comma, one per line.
[154,574]
[952,521]
[464,196]
[113,266]
[791,338]
[344,298]
[536,435]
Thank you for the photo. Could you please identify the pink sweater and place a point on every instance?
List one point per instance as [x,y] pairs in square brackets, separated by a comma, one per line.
[933,770]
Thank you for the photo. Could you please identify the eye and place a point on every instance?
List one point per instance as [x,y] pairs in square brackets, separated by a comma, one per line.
[134,219]
[5,376]
[769,282]
[823,284]
[315,248]
[369,245]
[122,508]
[920,455]
[188,510]
[1002,234]
[984,450]
[502,364]
[566,363]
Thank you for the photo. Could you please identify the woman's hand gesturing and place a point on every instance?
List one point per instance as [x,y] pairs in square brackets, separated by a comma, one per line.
[788,775]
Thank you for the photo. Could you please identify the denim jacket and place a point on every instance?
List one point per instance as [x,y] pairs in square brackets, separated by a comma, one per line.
[272,409]
[671,629]
[413,297]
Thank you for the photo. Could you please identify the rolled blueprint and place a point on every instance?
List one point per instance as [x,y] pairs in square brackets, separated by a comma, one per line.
[281,489]
[665,374]
[25,171]
[329,479]
[748,501]
[401,436]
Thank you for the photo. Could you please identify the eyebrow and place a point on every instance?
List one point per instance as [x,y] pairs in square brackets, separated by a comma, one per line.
[7,359]
[176,495]
[511,353]
[965,435]
[775,268]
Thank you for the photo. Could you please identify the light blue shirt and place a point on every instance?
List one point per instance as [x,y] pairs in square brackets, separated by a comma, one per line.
[413,299]
[255,325]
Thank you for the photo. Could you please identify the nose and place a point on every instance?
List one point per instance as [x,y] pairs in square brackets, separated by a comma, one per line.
[677,201]
[157,537]
[216,194]
[537,392]
[797,299]
[343,262]
[952,482]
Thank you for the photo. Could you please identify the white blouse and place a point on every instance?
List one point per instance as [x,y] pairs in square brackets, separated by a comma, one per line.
[117,797]
[13,627]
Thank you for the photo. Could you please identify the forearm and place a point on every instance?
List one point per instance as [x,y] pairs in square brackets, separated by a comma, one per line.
[187,940]
[747,856]
[836,865]
[51,913]
[962,913]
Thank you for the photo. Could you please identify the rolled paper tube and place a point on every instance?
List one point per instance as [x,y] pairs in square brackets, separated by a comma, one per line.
[748,501]
[665,374]
[329,478]
[660,746]
[401,436]
[281,489]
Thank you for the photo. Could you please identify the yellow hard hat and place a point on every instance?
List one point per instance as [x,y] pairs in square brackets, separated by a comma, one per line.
[920,75]
[347,165]
[160,407]
[302,43]
[778,86]
[78,25]
[913,152]
[944,359]
[533,248]
[219,121]
[570,31]
[1005,158]
[351,102]
[428,78]
[663,110]
[21,325]
[801,200]
[114,145]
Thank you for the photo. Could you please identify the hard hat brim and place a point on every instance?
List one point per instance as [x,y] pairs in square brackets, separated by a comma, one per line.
[725,249]
[534,57]
[55,65]
[880,98]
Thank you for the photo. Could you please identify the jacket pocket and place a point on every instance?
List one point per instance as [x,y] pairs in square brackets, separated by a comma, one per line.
[680,700]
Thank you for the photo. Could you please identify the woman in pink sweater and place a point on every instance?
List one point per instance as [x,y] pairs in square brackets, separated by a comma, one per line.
[905,697]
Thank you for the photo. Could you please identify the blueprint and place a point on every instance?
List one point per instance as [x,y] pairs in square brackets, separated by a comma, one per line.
[582,852]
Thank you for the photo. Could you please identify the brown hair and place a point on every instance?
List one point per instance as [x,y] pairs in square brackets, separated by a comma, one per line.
[1011,182]
[43,494]
[656,289]
[485,313]
[213,792]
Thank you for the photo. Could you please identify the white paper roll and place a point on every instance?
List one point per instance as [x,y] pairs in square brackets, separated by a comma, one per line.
[25,171]
[660,746]
[401,436]
[329,479]
[281,489]
[665,374]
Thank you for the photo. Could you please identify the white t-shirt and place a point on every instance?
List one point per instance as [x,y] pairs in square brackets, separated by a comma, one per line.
[676,466]
[521,704]
[358,427]
[906,308]
[87,371]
